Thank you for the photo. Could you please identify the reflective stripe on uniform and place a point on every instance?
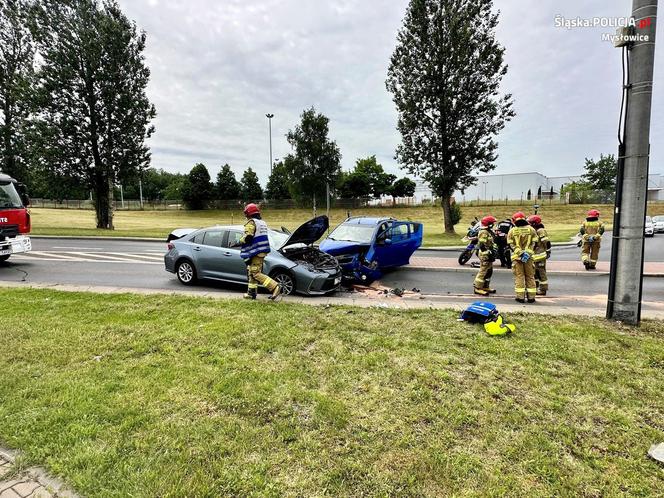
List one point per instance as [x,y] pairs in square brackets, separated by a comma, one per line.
[544,282]
[539,256]
[260,243]
[519,289]
[253,286]
[531,291]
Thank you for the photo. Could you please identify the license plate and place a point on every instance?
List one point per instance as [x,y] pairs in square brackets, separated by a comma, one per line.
[337,281]
[4,252]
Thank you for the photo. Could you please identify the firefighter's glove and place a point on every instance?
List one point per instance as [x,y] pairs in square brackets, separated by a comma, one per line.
[548,254]
[591,239]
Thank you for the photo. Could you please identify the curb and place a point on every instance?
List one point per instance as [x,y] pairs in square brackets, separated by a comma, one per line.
[461,248]
[429,301]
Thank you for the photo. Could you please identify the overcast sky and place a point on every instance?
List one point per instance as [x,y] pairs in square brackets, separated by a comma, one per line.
[219,65]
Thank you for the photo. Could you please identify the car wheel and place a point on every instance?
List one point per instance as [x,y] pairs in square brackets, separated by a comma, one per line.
[285,281]
[4,258]
[186,272]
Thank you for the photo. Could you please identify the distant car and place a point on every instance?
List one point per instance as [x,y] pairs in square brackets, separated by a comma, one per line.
[366,246]
[658,224]
[649,228]
[213,253]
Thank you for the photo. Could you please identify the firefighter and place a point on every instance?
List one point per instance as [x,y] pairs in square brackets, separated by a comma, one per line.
[487,256]
[591,232]
[542,253]
[255,246]
[522,239]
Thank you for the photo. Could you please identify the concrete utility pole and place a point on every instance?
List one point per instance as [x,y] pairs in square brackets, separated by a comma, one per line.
[632,191]
[269,120]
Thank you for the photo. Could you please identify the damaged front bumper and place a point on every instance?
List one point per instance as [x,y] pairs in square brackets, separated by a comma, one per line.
[356,269]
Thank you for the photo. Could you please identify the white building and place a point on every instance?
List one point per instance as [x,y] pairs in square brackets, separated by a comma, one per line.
[514,186]
[656,187]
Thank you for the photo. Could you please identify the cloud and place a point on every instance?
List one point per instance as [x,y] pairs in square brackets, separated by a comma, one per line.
[218,67]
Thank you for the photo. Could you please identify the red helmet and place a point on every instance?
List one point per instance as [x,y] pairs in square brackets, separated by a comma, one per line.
[488,220]
[518,216]
[535,219]
[251,209]
[593,213]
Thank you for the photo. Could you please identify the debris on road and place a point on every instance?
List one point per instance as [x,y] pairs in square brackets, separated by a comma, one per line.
[656,452]
[376,290]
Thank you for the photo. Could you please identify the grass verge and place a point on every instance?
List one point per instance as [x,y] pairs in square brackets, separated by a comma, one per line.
[130,395]
[562,221]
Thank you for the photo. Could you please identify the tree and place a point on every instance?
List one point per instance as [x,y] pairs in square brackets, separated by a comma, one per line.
[198,190]
[175,189]
[16,88]
[251,188]
[403,187]
[227,187]
[445,76]
[92,94]
[354,185]
[278,185]
[602,174]
[315,163]
[379,181]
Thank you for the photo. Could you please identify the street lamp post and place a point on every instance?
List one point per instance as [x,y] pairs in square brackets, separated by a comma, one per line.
[269,117]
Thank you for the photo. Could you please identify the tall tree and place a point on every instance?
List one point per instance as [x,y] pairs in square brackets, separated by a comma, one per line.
[227,187]
[251,188]
[278,185]
[602,174]
[315,163]
[198,190]
[92,86]
[445,76]
[403,187]
[16,86]
[354,185]
[380,182]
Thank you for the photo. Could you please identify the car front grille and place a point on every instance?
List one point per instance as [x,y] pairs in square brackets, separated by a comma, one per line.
[8,231]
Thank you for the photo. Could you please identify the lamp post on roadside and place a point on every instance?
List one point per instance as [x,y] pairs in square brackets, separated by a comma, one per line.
[269,117]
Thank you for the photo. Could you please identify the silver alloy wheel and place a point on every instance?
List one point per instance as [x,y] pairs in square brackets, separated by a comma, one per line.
[286,283]
[185,272]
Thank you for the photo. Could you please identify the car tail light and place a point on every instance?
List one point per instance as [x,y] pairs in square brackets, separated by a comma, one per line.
[170,246]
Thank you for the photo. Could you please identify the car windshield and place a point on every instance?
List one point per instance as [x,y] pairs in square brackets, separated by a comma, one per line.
[658,218]
[9,197]
[277,239]
[353,233]
[648,220]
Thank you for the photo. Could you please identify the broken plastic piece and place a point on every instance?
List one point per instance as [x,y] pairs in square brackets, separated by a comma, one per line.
[656,452]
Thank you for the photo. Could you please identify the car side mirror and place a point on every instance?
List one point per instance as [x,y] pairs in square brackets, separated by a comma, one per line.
[387,242]
[23,194]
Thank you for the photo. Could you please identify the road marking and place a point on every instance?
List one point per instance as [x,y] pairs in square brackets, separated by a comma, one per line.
[104,256]
[146,256]
[51,255]
[80,248]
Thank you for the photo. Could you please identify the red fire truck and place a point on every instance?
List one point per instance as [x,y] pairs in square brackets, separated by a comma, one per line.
[14,218]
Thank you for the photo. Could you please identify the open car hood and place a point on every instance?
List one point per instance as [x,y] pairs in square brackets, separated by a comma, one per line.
[309,232]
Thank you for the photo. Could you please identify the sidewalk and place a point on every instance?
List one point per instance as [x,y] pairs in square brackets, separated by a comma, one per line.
[650,269]
[28,483]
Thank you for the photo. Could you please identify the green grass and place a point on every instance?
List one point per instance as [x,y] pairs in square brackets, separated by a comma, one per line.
[562,221]
[126,395]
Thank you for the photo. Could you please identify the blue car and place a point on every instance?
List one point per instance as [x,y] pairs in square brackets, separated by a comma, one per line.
[365,247]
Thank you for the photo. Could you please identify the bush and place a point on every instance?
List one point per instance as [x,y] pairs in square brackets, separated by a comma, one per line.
[455,209]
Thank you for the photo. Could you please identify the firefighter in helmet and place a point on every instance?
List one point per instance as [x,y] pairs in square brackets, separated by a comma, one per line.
[542,253]
[591,232]
[487,257]
[522,239]
[255,246]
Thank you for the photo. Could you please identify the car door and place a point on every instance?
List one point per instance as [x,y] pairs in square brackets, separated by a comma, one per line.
[234,266]
[395,243]
[209,255]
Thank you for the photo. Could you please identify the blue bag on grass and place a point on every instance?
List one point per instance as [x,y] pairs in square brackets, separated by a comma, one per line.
[480,312]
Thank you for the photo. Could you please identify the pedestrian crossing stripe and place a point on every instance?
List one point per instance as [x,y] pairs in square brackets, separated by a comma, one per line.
[93,257]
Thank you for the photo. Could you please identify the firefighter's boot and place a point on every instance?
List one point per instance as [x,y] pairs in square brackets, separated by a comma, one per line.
[276,294]
[541,292]
[250,294]
[481,292]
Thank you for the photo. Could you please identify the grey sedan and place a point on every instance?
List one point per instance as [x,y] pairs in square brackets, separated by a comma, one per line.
[213,253]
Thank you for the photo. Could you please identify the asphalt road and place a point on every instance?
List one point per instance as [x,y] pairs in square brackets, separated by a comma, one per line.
[117,263]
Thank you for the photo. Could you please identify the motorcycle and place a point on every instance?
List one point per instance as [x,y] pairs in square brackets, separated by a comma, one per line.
[471,237]
[503,248]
